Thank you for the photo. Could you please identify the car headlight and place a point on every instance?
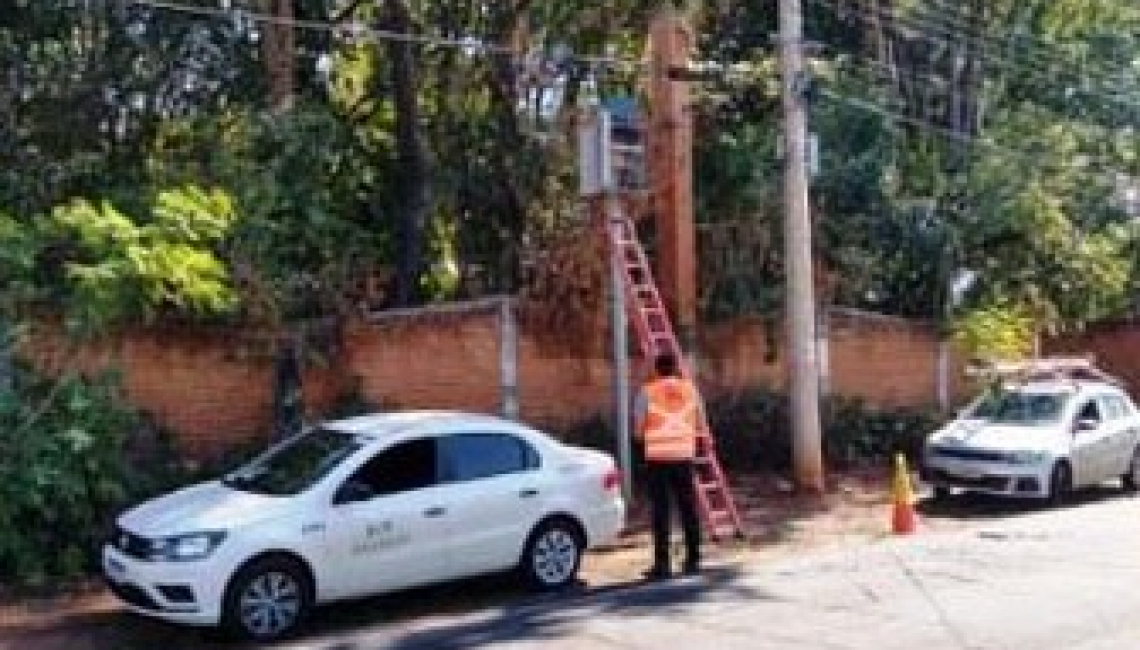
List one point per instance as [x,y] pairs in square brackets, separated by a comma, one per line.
[186,548]
[1028,457]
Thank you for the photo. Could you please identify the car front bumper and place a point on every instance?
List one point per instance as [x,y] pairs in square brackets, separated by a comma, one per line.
[180,592]
[1003,479]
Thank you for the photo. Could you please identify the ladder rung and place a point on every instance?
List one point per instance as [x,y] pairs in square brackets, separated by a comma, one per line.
[724,531]
[721,518]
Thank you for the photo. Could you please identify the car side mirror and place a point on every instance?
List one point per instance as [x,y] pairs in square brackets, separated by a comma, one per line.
[1086,424]
[353,492]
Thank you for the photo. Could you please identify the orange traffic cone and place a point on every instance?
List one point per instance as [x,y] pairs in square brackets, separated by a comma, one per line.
[903,518]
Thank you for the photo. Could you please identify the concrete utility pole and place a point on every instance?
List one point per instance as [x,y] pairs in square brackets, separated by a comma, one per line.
[600,187]
[799,303]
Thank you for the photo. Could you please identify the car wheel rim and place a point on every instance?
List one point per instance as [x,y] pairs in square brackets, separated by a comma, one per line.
[270,604]
[555,556]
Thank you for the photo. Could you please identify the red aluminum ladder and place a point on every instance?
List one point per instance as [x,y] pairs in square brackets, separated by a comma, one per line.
[655,336]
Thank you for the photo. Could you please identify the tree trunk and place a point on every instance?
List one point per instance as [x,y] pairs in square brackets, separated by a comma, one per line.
[288,396]
[7,369]
[279,50]
[414,199]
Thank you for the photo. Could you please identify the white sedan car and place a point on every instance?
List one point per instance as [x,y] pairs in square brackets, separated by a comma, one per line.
[1038,440]
[362,506]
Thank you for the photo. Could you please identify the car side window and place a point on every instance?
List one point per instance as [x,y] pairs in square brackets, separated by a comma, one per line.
[403,467]
[1107,405]
[1125,407]
[474,456]
[1120,407]
[1090,411]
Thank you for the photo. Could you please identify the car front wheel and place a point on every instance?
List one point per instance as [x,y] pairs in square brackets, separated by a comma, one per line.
[267,599]
[1060,484]
[1131,478]
[553,554]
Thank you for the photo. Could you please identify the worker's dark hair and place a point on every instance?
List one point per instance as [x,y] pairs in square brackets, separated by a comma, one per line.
[665,365]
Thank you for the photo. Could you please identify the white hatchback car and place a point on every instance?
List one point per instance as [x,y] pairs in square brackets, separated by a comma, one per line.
[363,506]
[1038,440]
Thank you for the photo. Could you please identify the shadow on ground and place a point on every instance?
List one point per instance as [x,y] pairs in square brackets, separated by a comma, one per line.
[553,617]
[973,506]
[466,614]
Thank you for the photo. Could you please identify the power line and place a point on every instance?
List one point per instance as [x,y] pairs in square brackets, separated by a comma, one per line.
[950,134]
[939,10]
[950,37]
[865,63]
[359,31]
[962,31]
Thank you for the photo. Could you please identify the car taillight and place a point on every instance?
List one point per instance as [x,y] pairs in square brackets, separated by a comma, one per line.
[612,480]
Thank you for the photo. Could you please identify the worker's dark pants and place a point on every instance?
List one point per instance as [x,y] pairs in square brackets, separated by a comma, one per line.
[673,480]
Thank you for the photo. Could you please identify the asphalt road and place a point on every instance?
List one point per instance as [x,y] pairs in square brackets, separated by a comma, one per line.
[1016,578]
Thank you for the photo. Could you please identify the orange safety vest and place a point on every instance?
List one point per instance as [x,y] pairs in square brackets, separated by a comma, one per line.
[670,426]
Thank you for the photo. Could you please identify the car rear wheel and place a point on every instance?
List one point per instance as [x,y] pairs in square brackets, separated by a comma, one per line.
[1131,478]
[1060,484]
[267,599]
[553,554]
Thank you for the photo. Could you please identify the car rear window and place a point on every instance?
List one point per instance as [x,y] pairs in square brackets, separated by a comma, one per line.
[473,456]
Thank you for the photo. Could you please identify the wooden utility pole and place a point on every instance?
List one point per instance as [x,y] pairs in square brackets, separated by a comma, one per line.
[799,306]
[670,164]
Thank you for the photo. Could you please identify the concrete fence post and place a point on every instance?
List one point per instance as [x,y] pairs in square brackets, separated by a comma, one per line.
[508,359]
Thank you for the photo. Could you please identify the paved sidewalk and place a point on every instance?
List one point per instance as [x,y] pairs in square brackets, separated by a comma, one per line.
[1067,579]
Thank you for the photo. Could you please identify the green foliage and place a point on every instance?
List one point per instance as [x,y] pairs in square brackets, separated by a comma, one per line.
[300,184]
[753,431]
[18,251]
[129,268]
[115,104]
[995,333]
[67,468]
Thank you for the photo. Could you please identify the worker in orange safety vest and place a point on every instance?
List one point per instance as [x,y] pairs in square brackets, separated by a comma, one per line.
[667,417]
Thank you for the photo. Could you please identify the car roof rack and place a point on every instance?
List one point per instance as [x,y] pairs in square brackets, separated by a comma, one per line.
[1071,369]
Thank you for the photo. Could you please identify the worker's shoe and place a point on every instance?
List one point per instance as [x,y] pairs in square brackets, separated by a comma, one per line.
[692,568]
[658,573]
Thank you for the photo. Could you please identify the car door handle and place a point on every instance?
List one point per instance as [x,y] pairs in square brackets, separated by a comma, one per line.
[437,511]
[528,493]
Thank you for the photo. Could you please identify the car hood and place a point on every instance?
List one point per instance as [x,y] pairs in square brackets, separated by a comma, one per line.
[978,434]
[206,506]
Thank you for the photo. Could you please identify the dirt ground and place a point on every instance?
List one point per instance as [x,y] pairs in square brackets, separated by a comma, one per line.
[856,510]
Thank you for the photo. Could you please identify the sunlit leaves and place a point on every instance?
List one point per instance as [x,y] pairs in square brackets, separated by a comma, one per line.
[124,267]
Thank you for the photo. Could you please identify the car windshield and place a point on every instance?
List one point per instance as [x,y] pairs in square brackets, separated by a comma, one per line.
[295,465]
[1010,407]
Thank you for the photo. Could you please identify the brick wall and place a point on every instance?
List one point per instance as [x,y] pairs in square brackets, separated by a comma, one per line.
[887,361]
[213,389]
[1115,346]
[421,363]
